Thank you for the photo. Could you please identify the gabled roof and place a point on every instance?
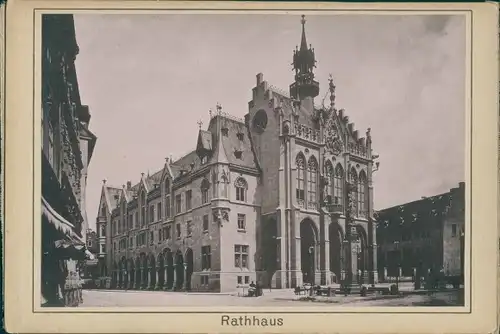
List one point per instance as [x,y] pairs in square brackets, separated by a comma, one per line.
[109,195]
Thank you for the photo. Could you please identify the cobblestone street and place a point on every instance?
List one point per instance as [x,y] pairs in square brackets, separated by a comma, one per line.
[106,298]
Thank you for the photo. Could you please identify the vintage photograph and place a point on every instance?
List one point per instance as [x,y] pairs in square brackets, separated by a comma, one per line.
[254,159]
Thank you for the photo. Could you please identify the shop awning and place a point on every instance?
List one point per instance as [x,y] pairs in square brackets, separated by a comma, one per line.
[56,219]
[70,244]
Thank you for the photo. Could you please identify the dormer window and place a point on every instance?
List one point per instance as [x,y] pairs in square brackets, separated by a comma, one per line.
[225,131]
[204,160]
[240,136]
[238,154]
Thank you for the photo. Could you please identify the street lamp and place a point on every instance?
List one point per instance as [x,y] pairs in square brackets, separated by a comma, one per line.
[396,244]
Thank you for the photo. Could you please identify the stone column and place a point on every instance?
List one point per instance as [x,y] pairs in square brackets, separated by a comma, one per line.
[165,278]
[187,282]
[174,277]
[325,251]
[158,283]
[148,287]
[131,279]
[141,282]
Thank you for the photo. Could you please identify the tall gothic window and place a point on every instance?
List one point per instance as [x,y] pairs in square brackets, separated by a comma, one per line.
[143,209]
[354,190]
[167,198]
[312,181]
[241,189]
[205,185]
[338,191]
[362,185]
[329,174]
[300,191]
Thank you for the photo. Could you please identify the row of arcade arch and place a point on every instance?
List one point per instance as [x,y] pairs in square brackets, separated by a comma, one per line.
[310,252]
[167,271]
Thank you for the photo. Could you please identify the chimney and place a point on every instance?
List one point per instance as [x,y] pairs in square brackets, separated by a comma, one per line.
[260,78]
[129,185]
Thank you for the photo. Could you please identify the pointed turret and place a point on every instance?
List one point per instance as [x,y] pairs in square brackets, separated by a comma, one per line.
[303,63]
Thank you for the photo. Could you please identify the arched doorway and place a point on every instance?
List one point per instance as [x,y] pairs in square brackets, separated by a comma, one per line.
[151,272]
[189,268]
[169,272]
[161,272]
[308,249]
[179,270]
[362,254]
[270,249]
[336,252]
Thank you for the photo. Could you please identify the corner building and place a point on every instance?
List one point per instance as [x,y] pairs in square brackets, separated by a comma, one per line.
[283,197]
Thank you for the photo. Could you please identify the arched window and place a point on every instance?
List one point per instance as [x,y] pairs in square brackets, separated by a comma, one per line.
[205,185]
[354,190]
[241,189]
[312,182]
[225,182]
[301,177]
[167,186]
[143,208]
[329,175]
[338,192]
[362,185]
[103,211]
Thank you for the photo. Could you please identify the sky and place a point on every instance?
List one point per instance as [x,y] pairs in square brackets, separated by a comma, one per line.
[148,79]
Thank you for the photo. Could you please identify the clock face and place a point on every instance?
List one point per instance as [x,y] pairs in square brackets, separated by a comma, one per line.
[260,121]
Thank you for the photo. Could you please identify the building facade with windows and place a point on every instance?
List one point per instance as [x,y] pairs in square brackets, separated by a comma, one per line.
[423,236]
[66,151]
[282,197]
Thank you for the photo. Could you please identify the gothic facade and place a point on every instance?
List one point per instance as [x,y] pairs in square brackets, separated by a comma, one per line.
[282,197]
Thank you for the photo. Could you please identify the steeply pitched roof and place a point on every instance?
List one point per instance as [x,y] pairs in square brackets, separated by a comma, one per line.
[110,194]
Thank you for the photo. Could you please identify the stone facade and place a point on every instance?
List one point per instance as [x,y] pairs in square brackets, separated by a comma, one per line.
[422,236]
[282,197]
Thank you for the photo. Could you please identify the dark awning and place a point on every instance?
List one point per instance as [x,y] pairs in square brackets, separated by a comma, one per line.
[69,244]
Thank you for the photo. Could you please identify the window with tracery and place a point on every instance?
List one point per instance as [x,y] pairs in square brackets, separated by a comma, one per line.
[143,209]
[312,181]
[354,190]
[241,187]
[362,192]
[205,185]
[329,175]
[338,184]
[300,191]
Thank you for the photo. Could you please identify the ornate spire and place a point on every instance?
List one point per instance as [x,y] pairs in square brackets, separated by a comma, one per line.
[332,92]
[303,63]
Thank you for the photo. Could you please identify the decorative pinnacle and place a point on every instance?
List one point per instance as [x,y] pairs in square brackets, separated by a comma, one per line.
[104,181]
[303,21]
[210,112]
[166,159]
[200,123]
[218,107]
[332,91]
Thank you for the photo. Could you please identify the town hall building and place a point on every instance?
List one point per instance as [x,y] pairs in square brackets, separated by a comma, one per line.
[282,197]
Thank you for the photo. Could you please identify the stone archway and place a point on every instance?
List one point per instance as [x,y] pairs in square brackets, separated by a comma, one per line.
[337,258]
[160,267]
[270,250]
[362,255]
[151,276]
[179,270]
[309,250]
[189,268]
[169,269]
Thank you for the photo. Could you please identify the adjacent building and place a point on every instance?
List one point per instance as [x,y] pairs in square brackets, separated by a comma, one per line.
[67,146]
[422,236]
[282,197]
